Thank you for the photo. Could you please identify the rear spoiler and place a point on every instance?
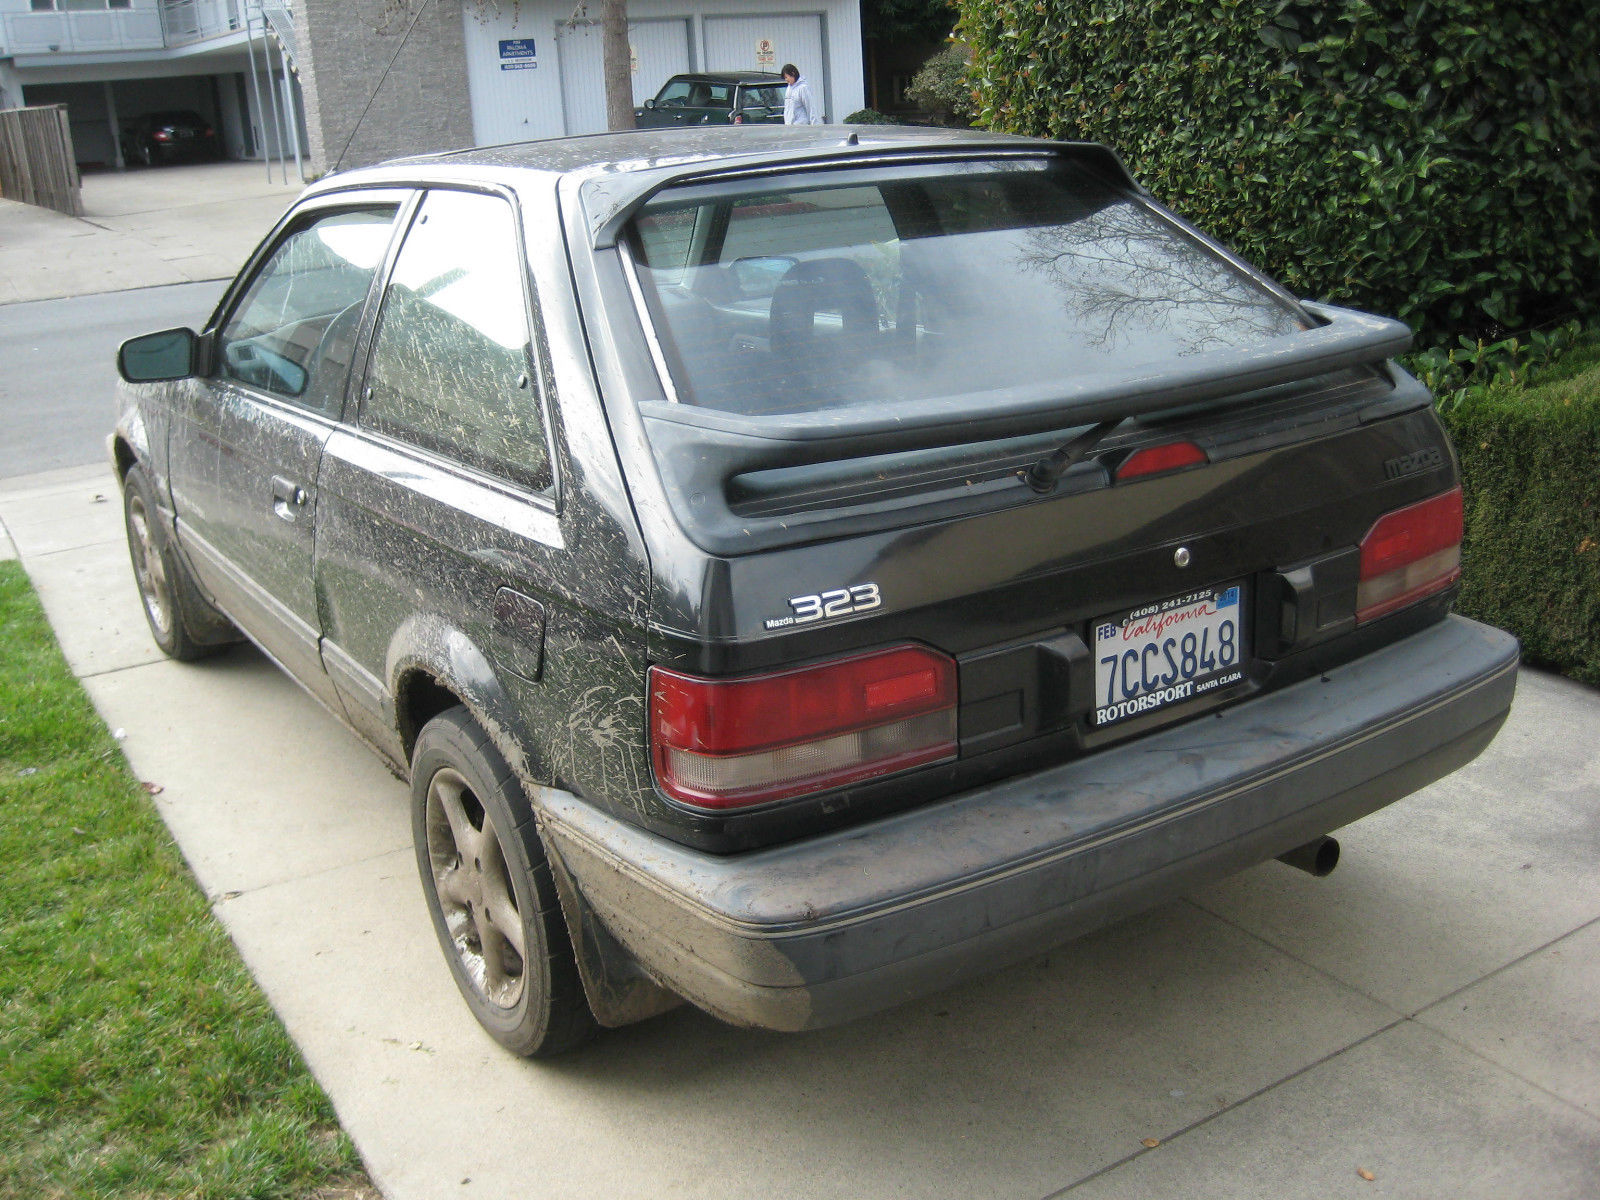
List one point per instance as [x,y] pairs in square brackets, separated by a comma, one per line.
[729,444]
[610,200]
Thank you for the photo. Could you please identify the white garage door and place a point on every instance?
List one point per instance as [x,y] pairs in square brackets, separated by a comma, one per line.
[660,50]
[796,38]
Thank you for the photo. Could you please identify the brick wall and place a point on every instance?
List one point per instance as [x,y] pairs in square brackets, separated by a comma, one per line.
[421,105]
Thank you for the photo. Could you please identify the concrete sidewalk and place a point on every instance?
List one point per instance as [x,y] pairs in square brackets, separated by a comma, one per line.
[141,228]
[1426,1014]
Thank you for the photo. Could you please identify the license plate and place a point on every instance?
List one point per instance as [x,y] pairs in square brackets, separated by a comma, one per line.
[1168,652]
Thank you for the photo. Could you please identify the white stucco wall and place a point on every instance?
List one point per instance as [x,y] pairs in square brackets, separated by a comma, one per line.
[555,90]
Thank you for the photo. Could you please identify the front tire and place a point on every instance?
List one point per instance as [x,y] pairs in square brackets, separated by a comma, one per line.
[491,894]
[183,625]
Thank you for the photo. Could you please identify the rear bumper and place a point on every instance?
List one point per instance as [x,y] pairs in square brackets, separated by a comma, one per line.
[822,931]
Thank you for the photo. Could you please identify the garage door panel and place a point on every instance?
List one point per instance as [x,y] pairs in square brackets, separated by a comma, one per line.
[660,50]
[796,38]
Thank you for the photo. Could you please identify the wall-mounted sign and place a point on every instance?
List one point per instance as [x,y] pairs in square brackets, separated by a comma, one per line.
[766,55]
[517,54]
[633,58]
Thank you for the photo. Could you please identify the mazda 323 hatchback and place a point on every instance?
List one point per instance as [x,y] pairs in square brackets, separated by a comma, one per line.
[800,571]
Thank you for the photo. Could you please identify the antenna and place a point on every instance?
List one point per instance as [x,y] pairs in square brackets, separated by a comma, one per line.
[377,87]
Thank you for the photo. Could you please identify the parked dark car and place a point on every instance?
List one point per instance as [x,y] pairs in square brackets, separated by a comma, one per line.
[798,574]
[162,137]
[716,98]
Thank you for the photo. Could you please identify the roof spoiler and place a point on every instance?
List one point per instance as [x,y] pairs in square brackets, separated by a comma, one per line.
[703,449]
[610,200]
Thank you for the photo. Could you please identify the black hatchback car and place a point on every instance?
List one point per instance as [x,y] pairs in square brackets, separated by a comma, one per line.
[161,137]
[798,572]
[716,98]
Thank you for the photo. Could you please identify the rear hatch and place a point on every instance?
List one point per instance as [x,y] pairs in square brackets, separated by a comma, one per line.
[973,465]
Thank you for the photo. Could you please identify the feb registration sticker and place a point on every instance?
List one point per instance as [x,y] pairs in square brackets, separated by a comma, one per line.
[1168,652]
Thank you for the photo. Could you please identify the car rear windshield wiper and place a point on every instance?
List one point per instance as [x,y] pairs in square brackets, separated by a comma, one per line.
[1043,476]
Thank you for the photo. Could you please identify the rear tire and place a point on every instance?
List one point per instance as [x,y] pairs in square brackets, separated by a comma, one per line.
[182,623]
[491,894]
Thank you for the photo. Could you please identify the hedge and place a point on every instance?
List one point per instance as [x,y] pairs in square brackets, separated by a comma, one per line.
[1530,467]
[1434,159]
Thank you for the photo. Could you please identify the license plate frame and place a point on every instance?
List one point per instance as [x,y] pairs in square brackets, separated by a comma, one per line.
[1168,652]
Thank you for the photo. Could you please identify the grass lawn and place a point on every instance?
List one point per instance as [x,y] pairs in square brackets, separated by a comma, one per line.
[137,1057]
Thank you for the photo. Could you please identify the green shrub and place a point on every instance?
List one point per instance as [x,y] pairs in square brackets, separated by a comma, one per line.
[1531,557]
[869,116]
[1435,159]
[941,89]
[1450,371]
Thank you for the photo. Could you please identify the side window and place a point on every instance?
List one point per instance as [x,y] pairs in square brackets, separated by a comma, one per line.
[676,94]
[293,331]
[450,368]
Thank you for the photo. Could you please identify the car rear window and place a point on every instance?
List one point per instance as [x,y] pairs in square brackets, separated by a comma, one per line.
[855,288]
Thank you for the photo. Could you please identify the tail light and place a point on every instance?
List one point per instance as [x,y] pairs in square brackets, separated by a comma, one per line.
[730,743]
[1408,554]
[161,135]
[1157,460]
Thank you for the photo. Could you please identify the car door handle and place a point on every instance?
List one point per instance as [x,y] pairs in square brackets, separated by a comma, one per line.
[288,498]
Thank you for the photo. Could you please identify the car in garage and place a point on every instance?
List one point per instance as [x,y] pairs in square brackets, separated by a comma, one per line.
[179,135]
[799,572]
[715,98]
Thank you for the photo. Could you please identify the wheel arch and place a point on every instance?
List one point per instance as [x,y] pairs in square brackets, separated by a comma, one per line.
[434,666]
[123,456]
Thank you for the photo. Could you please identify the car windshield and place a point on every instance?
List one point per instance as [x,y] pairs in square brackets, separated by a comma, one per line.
[856,288]
[695,93]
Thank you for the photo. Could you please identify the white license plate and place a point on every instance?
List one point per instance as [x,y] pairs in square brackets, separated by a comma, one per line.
[1168,652]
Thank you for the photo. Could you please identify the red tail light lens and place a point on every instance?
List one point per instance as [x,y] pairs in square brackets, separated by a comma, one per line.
[1156,460]
[161,135]
[1408,554]
[730,743]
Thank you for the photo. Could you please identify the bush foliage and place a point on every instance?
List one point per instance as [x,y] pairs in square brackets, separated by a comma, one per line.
[940,87]
[1435,159]
[869,116]
[1531,556]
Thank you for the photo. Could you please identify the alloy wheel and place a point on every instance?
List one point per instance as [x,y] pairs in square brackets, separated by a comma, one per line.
[149,568]
[474,889]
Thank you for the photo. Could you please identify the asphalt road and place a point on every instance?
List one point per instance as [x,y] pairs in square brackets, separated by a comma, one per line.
[58,369]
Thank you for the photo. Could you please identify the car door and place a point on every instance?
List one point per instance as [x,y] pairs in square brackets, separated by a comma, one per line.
[438,513]
[282,352]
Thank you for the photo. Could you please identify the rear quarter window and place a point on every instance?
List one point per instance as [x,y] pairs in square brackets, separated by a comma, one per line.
[450,369]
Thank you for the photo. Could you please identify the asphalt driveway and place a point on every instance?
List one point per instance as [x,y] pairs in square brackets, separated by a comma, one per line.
[1426,1015]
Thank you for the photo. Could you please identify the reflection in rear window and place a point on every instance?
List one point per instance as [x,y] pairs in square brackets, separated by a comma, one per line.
[849,290]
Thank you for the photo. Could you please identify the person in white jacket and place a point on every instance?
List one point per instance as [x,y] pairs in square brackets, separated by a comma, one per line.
[798,106]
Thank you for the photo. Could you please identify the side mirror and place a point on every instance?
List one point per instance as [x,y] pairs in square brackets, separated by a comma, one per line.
[158,357]
[650,103]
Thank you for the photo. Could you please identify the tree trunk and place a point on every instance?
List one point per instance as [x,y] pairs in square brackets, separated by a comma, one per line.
[618,59]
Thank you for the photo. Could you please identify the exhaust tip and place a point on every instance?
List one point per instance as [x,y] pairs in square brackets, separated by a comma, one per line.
[1317,857]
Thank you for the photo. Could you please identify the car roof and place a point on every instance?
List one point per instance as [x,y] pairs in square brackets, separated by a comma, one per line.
[764,77]
[615,173]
